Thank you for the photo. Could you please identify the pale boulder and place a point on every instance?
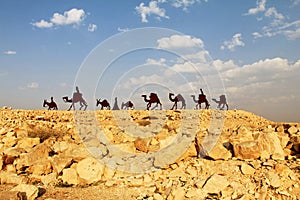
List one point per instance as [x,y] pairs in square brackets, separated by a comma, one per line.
[247,169]
[70,176]
[215,184]
[31,191]
[219,152]
[90,170]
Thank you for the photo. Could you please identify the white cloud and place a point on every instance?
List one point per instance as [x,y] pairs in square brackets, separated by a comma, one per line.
[42,24]
[184,4]
[296,2]
[72,17]
[9,52]
[92,27]
[152,9]
[260,7]
[256,35]
[161,61]
[236,41]
[123,29]
[179,42]
[32,85]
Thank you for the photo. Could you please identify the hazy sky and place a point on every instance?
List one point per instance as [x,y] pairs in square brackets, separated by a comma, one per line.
[249,50]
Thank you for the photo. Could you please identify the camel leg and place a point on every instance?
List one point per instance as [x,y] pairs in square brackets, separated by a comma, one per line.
[148,105]
[173,106]
[155,106]
[70,107]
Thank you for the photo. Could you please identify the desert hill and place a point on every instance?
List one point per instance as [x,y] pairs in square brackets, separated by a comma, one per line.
[184,154]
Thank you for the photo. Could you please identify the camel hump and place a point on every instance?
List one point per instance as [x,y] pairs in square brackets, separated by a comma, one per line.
[153,95]
[77,96]
[222,97]
[202,97]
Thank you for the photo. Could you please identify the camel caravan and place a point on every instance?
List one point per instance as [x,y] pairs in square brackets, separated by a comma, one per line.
[152,99]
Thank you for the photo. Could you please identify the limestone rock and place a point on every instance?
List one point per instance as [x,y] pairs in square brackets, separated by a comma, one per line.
[49,179]
[31,191]
[247,169]
[215,184]
[247,150]
[26,143]
[89,170]
[11,195]
[292,130]
[141,144]
[59,162]
[219,152]
[70,176]
[21,132]
[271,144]
[10,178]
[274,179]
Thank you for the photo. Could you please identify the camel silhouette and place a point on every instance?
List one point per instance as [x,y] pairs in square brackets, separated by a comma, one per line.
[104,104]
[201,99]
[77,97]
[153,99]
[51,104]
[116,107]
[127,105]
[222,102]
[177,98]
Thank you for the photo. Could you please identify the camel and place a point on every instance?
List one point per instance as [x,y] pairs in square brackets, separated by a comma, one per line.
[127,105]
[153,99]
[201,99]
[51,104]
[177,98]
[222,102]
[116,107]
[104,104]
[77,97]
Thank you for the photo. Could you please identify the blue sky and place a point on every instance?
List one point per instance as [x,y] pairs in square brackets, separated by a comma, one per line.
[254,46]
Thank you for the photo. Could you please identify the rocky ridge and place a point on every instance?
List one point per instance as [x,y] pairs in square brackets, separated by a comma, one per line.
[251,158]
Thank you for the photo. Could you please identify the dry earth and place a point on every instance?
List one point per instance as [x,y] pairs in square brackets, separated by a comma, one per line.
[43,155]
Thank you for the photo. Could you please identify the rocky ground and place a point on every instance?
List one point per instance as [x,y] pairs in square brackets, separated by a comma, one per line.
[205,154]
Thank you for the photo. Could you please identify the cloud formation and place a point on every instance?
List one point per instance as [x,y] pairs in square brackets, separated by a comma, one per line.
[72,17]
[151,9]
[32,85]
[275,22]
[179,42]
[236,41]
[10,52]
[92,27]
[184,4]
[260,7]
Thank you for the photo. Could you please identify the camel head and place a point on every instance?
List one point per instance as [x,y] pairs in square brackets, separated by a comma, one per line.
[98,101]
[145,98]
[45,103]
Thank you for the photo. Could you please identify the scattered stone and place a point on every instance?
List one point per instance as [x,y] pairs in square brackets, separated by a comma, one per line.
[90,170]
[274,179]
[292,130]
[219,152]
[247,169]
[31,191]
[142,144]
[215,184]
[69,176]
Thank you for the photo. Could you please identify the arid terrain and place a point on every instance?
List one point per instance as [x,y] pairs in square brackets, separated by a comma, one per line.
[136,154]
